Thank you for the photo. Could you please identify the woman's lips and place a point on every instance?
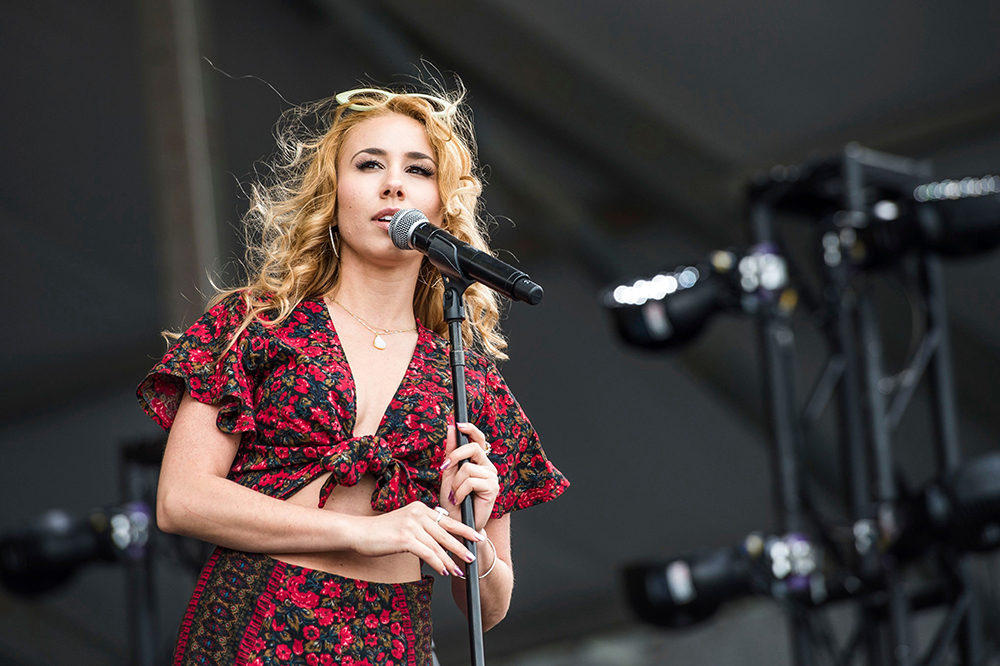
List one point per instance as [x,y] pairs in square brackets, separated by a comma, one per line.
[384,213]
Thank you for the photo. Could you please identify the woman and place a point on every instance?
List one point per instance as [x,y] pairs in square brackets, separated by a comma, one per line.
[309,412]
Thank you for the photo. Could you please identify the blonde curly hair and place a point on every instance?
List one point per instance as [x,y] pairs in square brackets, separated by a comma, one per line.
[289,254]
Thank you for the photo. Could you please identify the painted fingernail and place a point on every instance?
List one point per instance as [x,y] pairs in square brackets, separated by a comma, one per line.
[458,572]
[446,464]
[479,537]
[444,572]
[469,557]
[451,497]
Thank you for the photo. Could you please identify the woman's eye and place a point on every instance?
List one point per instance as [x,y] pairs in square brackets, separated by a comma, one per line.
[368,164]
[421,170]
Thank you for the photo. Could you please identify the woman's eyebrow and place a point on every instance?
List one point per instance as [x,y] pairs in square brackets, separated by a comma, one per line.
[370,151]
[413,154]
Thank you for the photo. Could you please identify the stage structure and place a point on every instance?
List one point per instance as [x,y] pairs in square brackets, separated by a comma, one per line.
[47,552]
[874,217]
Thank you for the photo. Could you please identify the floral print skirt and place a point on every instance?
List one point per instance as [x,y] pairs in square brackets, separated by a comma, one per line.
[250,609]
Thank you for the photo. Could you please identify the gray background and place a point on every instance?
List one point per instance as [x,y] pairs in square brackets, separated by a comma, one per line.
[617,137]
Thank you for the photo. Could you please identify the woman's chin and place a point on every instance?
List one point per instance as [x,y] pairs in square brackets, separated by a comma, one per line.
[384,256]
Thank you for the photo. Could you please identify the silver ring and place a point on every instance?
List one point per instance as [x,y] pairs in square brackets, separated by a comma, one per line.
[442,512]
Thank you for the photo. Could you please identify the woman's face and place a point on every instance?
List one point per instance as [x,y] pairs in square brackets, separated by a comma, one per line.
[386,164]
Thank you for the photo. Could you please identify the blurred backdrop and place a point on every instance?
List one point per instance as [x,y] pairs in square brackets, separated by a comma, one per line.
[617,140]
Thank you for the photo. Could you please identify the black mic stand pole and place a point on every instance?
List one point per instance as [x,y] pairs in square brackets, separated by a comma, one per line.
[454,314]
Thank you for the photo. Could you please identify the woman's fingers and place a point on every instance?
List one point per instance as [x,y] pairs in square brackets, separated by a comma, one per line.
[484,488]
[431,535]
[437,537]
[451,482]
[474,433]
[473,452]
[456,528]
[455,476]
[428,550]
[451,542]
[450,440]
[477,471]
[441,542]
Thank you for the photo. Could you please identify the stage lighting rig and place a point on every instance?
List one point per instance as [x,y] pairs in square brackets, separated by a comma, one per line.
[960,511]
[870,217]
[48,551]
[895,210]
[672,307]
[949,217]
[689,590]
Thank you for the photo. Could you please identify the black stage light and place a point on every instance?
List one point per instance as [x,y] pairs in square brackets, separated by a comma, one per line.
[672,307]
[48,551]
[961,510]
[967,219]
[688,590]
[951,217]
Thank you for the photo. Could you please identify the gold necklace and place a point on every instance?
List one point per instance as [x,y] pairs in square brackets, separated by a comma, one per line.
[378,342]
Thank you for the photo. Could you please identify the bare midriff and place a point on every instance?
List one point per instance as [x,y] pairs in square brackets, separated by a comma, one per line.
[353,500]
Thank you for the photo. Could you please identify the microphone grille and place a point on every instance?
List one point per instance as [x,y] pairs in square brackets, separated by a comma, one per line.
[402,225]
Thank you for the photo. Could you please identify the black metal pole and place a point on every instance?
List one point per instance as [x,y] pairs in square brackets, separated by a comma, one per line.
[945,412]
[852,333]
[871,344]
[840,333]
[885,478]
[777,343]
[840,303]
[778,347]
[778,350]
[939,370]
[454,314]
[139,575]
[845,306]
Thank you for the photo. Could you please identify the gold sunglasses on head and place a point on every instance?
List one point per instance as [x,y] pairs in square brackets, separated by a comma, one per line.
[440,107]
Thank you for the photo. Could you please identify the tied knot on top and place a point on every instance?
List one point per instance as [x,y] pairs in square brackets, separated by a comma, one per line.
[352,458]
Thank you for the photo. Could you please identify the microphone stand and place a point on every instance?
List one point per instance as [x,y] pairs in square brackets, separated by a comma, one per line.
[454,315]
[445,252]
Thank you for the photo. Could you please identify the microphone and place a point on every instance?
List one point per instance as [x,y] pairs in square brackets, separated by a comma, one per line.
[411,230]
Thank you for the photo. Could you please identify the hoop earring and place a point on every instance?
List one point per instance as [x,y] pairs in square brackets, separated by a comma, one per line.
[333,243]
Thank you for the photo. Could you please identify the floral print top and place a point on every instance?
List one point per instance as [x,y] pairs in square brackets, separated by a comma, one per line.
[289,390]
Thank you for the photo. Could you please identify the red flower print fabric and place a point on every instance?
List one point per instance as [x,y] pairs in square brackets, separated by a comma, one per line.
[251,610]
[289,390]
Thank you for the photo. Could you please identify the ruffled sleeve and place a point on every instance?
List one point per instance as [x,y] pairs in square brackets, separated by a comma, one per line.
[526,475]
[200,364]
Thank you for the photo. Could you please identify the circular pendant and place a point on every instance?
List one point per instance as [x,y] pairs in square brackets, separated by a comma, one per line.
[378,342]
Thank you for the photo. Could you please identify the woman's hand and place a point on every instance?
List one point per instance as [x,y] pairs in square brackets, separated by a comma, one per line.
[478,475]
[420,530]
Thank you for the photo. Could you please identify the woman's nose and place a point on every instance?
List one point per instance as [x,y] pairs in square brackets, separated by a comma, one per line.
[393,185]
